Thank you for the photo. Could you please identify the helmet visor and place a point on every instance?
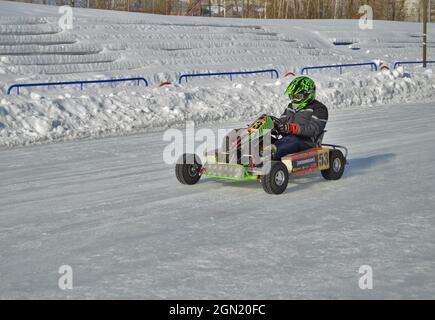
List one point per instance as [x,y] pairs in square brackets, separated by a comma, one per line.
[297,97]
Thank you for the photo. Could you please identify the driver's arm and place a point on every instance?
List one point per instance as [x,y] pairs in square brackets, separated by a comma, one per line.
[315,126]
[288,112]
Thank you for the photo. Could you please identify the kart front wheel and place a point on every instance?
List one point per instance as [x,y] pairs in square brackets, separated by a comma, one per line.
[276,181]
[188,169]
[337,162]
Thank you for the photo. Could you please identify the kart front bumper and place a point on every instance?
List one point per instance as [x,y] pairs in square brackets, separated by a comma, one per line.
[228,171]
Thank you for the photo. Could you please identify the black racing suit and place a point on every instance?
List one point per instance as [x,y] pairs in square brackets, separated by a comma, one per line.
[311,122]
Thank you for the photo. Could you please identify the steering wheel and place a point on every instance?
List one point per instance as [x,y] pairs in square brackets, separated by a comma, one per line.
[276,124]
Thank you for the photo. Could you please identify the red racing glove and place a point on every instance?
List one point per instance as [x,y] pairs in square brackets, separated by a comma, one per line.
[294,128]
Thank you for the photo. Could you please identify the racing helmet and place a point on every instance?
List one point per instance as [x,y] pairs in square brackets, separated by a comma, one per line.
[301,91]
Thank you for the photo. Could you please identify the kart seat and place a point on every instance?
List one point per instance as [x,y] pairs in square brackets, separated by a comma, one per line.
[318,140]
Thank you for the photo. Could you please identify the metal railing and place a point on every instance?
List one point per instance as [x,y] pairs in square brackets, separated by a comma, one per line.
[399,63]
[230,74]
[373,66]
[66,83]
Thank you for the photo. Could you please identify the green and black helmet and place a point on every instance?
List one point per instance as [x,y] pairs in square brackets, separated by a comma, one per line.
[301,91]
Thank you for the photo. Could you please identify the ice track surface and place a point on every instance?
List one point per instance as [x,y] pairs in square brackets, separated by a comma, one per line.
[115,213]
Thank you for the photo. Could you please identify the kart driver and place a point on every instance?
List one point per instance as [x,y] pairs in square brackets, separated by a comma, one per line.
[303,121]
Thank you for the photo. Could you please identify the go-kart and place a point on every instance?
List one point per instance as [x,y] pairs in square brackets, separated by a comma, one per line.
[248,154]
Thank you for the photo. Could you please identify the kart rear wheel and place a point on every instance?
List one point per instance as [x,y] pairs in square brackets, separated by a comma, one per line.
[337,162]
[276,181]
[188,169]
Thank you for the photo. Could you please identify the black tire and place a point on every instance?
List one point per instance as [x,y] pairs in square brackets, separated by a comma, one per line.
[188,169]
[337,162]
[276,181]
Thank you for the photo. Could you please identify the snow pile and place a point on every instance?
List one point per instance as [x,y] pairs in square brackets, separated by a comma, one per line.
[382,88]
[38,117]
[108,44]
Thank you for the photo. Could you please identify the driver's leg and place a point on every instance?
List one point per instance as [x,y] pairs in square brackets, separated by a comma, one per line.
[289,144]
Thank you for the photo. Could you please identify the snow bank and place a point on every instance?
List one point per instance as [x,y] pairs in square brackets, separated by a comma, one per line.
[109,44]
[42,118]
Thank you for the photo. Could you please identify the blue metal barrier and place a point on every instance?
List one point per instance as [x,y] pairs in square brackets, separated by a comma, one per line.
[81,83]
[399,63]
[231,74]
[341,66]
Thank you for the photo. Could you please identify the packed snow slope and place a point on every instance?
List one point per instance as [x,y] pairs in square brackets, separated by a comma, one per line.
[114,212]
[110,44]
